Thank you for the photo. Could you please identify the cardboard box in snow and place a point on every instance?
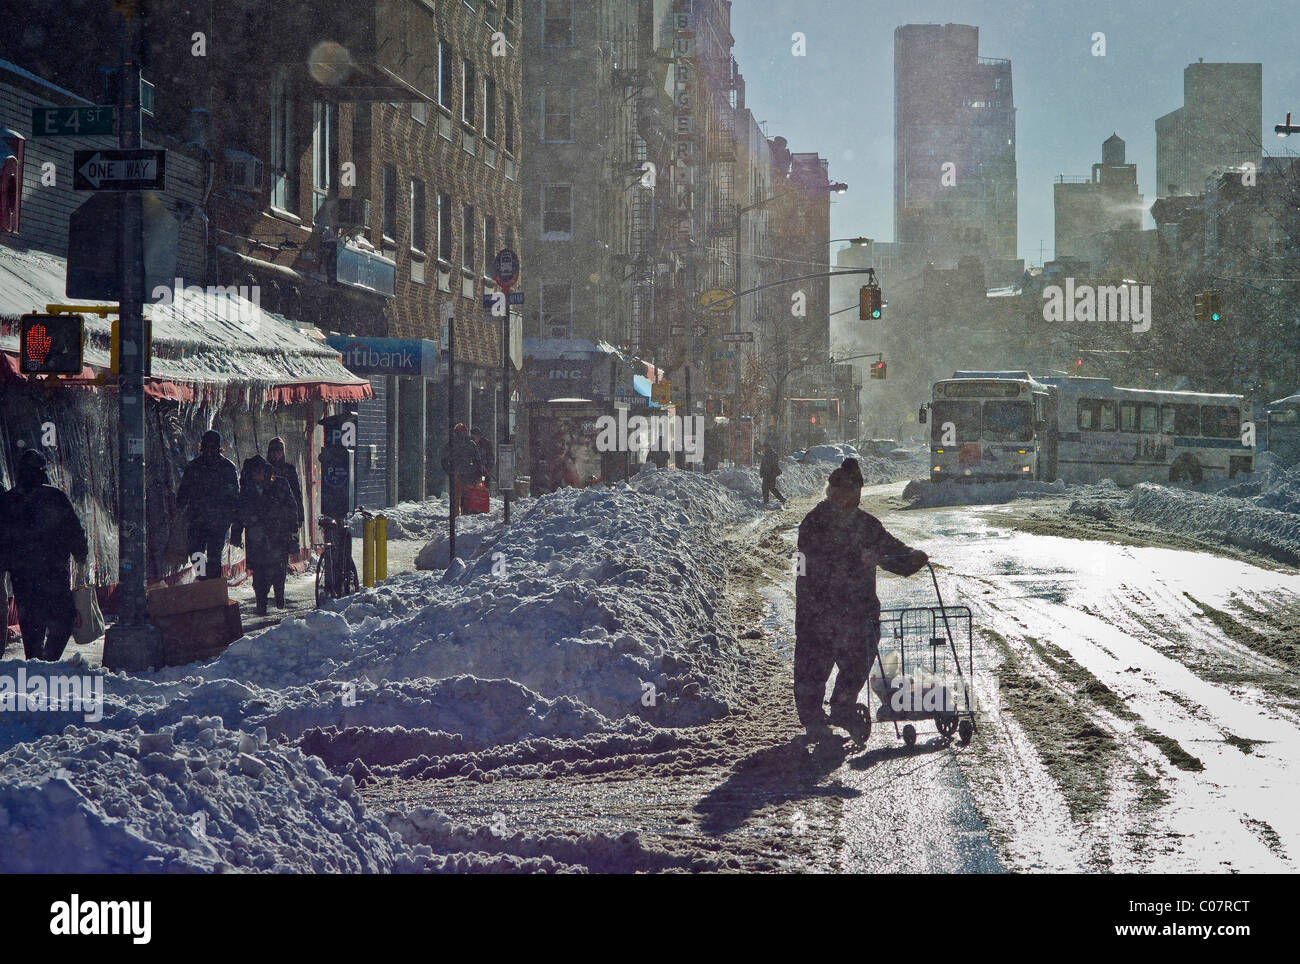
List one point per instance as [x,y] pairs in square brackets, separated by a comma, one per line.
[197,620]
[187,597]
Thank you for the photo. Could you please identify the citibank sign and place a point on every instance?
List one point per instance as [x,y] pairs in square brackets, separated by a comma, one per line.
[386,356]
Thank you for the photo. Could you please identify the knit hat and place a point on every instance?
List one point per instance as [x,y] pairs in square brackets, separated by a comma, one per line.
[848,475]
[211,440]
[460,427]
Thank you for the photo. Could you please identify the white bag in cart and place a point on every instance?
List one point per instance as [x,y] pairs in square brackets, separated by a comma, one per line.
[919,691]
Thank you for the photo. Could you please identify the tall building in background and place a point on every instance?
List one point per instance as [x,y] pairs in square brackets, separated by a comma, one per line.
[1218,126]
[954,151]
[1106,201]
[596,126]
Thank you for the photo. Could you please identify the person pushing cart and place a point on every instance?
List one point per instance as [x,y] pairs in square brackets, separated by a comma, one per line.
[837,613]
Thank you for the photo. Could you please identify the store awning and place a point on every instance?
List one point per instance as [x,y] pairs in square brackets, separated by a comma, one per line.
[214,344]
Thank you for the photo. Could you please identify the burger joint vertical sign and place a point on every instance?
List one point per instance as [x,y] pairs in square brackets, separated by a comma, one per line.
[51,344]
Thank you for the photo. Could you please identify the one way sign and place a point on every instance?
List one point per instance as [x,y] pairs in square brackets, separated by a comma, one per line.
[131,170]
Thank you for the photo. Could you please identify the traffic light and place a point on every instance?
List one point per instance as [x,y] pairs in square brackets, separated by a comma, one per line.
[869,302]
[50,344]
[878,369]
[1214,304]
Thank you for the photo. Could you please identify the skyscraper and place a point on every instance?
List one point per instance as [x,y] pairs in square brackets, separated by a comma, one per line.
[1218,126]
[954,149]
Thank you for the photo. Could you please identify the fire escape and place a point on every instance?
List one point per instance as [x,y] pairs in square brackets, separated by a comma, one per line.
[641,181]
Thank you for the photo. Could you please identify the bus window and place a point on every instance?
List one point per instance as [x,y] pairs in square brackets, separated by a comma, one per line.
[1106,416]
[1148,423]
[1187,420]
[1220,421]
[1087,415]
[1128,416]
[1167,420]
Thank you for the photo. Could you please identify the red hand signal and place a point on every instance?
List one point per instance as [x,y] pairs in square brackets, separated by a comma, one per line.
[38,343]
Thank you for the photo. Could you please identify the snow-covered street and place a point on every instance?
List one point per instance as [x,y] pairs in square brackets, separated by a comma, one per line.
[605,685]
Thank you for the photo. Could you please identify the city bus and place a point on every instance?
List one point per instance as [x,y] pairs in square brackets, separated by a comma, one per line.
[993,426]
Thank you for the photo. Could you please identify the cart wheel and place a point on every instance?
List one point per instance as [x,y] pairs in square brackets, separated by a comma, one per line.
[964,731]
[909,735]
[946,723]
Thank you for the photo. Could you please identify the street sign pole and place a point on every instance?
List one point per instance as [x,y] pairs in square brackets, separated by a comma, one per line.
[505,268]
[452,508]
[132,643]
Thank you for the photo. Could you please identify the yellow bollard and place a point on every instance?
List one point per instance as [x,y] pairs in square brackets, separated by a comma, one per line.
[381,548]
[368,553]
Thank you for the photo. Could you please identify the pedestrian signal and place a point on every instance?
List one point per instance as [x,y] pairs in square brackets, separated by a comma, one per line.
[51,344]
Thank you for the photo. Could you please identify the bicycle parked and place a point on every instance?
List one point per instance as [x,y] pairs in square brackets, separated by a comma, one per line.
[336,573]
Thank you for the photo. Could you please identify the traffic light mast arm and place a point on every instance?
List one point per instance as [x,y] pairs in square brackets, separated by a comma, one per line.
[786,281]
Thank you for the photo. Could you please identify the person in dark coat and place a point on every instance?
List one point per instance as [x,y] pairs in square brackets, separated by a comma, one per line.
[265,521]
[485,455]
[768,469]
[283,468]
[461,462]
[41,532]
[209,492]
[837,614]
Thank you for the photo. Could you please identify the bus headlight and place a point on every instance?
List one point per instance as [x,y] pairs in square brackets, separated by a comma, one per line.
[1024,468]
[935,469]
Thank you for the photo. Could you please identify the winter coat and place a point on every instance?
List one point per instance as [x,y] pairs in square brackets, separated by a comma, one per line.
[289,473]
[41,531]
[209,491]
[770,467]
[267,519]
[461,457]
[835,592]
[485,458]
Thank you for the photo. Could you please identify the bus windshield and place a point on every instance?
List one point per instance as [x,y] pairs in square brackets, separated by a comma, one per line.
[984,421]
[1008,421]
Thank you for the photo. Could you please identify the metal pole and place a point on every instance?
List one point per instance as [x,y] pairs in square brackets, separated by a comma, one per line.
[132,643]
[505,405]
[451,436]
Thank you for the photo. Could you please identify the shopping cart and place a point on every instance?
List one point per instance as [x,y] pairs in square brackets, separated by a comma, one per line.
[919,673]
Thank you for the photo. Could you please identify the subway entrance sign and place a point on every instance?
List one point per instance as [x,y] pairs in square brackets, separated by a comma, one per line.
[50,344]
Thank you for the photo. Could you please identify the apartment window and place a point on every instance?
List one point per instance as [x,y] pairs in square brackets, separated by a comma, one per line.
[444,228]
[284,158]
[557,212]
[325,119]
[467,233]
[557,23]
[557,114]
[420,112]
[390,204]
[490,13]
[489,244]
[446,79]
[509,142]
[557,309]
[510,237]
[508,23]
[467,93]
[489,109]
[418,215]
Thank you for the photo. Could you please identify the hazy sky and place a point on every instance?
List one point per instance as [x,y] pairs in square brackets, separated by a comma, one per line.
[839,99]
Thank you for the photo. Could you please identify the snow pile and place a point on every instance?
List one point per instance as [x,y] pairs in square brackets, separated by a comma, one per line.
[925,494]
[196,798]
[1235,522]
[1270,487]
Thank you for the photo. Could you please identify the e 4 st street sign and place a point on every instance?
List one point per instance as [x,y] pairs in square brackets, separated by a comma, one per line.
[72,121]
[124,170]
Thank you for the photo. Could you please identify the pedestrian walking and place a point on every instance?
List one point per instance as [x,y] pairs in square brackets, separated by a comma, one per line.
[41,531]
[486,461]
[837,613]
[460,461]
[265,522]
[769,468]
[209,493]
